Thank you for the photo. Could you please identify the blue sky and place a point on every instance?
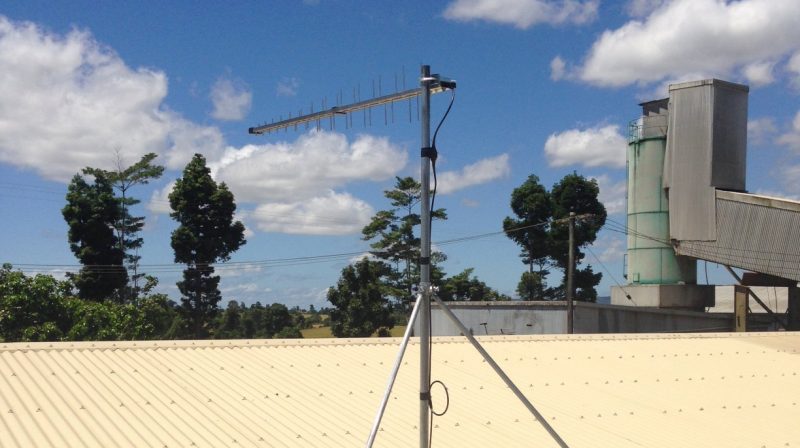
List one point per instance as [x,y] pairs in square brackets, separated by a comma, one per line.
[544,87]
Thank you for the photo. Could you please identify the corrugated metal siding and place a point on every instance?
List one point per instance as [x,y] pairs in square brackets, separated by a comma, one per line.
[706,149]
[687,166]
[754,233]
[731,390]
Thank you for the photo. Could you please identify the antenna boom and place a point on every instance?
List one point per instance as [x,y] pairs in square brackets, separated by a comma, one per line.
[342,110]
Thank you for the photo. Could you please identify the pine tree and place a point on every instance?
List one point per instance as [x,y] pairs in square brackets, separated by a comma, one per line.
[541,229]
[128,227]
[207,233]
[395,239]
[575,193]
[530,202]
[90,213]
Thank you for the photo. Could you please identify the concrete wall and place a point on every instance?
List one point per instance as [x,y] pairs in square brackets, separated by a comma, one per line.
[592,318]
[551,318]
[501,318]
[775,297]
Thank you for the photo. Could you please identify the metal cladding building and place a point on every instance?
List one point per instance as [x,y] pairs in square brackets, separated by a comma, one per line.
[687,201]
[664,390]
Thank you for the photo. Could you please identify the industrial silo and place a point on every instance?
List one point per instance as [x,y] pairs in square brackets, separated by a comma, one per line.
[651,258]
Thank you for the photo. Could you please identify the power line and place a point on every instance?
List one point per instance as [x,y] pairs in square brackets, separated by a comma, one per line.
[243,265]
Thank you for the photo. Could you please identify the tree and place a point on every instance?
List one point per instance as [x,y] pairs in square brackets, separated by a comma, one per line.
[32,308]
[530,202]
[206,234]
[531,286]
[41,308]
[231,322]
[575,193]
[542,230]
[91,213]
[466,287]
[128,227]
[396,241]
[359,298]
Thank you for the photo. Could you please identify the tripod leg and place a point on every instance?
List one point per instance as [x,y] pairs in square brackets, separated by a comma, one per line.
[393,376]
[499,371]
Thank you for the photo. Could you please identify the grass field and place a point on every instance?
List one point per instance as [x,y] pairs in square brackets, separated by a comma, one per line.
[325,332]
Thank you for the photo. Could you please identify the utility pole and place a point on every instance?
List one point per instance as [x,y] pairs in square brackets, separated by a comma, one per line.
[571,274]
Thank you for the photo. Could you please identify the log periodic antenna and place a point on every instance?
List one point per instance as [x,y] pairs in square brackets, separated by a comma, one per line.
[440,85]
[428,84]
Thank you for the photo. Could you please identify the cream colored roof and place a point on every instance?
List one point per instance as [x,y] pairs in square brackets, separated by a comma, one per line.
[708,390]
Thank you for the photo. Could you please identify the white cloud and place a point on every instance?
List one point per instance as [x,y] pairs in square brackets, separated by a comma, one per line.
[159,200]
[187,138]
[287,87]
[472,203]
[231,98]
[760,129]
[478,173]
[239,270]
[557,68]
[791,138]
[597,146]
[332,214]
[365,255]
[611,249]
[759,73]
[789,176]
[689,36]
[523,13]
[793,67]
[778,194]
[241,215]
[612,194]
[311,165]
[292,183]
[642,8]
[72,102]
[661,89]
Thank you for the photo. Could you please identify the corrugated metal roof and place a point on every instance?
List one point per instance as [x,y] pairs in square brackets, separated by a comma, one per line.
[703,390]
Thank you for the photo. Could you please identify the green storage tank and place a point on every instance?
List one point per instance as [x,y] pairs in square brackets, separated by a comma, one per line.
[651,258]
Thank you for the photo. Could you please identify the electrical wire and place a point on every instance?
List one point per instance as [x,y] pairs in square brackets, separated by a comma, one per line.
[268,263]
[608,271]
[433,157]
[436,154]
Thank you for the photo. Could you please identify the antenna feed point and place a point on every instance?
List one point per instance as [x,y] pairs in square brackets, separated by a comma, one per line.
[447,83]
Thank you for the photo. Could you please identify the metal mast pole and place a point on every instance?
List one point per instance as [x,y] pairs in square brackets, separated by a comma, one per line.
[429,84]
[425,260]
[571,273]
